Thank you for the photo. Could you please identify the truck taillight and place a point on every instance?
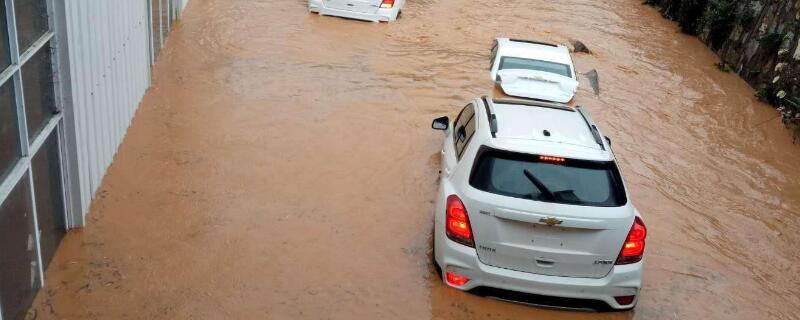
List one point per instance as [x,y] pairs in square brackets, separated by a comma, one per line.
[457,222]
[387,4]
[633,248]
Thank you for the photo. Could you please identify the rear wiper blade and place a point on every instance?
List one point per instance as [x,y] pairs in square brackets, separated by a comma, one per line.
[536,182]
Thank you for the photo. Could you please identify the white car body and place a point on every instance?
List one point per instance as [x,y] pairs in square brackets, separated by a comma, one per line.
[522,245]
[534,70]
[367,10]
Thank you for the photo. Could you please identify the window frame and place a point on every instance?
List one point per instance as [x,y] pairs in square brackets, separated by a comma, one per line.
[31,146]
[495,49]
[570,73]
[619,189]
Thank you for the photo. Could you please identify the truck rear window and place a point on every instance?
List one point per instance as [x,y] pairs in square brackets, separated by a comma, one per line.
[566,181]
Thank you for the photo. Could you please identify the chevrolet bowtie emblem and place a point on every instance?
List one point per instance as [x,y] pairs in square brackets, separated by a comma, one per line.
[551,221]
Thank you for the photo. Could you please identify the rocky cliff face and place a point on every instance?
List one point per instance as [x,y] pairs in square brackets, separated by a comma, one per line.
[756,39]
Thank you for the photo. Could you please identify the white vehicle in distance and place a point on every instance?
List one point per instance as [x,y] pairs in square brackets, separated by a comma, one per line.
[531,206]
[367,10]
[535,70]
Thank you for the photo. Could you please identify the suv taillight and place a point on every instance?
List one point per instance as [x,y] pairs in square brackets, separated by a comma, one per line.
[387,4]
[457,222]
[633,248]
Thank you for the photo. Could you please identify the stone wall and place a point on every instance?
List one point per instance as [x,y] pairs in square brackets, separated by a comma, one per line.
[756,39]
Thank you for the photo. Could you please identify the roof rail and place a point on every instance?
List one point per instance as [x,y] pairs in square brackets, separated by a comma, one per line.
[592,127]
[535,42]
[533,103]
[490,115]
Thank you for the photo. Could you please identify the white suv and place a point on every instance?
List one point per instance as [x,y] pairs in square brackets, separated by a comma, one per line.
[532,69]
[531,205]
[367,10]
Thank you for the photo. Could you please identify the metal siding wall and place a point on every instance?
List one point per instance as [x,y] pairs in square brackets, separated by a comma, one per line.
[109,64]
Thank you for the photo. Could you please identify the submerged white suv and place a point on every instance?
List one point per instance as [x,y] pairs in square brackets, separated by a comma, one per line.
[531,206]
[367,10]
[533,69]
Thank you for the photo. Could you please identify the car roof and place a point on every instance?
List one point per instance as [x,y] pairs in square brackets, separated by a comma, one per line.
[520,126]
[533,50]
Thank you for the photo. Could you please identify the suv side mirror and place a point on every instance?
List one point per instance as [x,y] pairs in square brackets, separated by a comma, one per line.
[441,123]
[608,140]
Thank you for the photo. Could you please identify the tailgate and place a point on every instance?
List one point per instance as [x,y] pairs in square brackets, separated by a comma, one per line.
[359,6]
[537,85]
[579,241]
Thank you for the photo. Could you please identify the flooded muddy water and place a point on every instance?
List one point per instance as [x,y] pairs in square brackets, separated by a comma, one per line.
[283,167]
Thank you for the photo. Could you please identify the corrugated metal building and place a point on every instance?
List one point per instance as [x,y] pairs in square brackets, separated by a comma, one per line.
[74,72]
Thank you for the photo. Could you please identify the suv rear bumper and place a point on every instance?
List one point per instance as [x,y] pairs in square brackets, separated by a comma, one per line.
[623,280]
[318,6]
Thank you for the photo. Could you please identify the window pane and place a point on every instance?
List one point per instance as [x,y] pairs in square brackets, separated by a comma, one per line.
[462,119]
[577,182]
[19,272]
[173,10]
[5,55]
[156,13]
[49,197]
[164,19]
[469,130]
[37,81]
[31,21]
[535,65]
[465,127]
[9,129]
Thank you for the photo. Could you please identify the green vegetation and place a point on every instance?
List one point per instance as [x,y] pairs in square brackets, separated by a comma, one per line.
[687,13]
[746,15]
[767,92]
[797,131]
[722,66]
[771,41]
[720,18]
[790,106]
[790,112]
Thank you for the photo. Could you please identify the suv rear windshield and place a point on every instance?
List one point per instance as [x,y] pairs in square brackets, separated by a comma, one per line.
[536,65]
[576,182]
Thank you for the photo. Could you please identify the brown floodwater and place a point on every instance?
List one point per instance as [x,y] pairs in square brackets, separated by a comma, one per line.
[283,167]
